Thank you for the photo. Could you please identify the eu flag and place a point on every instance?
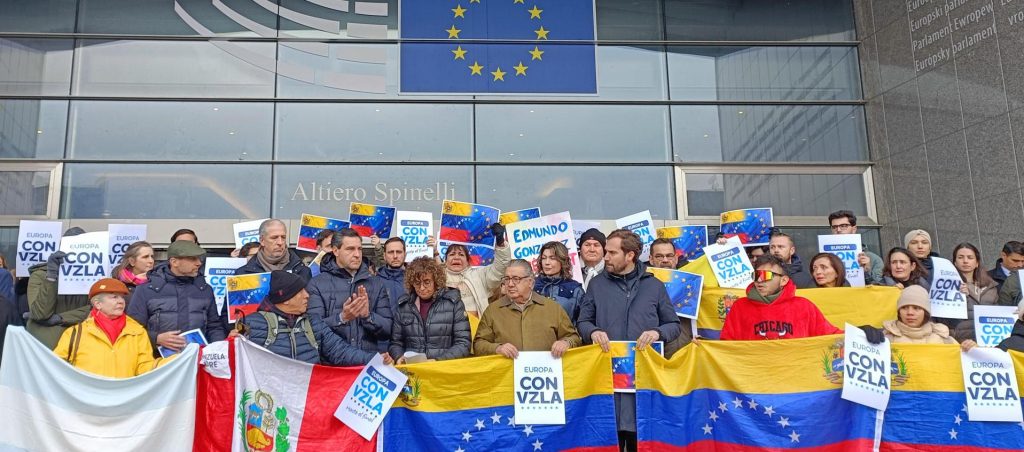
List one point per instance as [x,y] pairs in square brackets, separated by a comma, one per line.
[553,50]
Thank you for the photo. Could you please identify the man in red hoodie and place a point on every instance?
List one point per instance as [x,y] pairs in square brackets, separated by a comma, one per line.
[771,309]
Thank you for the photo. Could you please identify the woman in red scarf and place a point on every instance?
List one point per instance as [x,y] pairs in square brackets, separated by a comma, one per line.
[137,262]
[108,343]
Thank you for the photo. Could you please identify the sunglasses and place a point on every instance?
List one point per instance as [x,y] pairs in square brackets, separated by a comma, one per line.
[765,275]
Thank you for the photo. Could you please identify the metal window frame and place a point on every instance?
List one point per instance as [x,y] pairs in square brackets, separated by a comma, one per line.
[56,171]
[844,168]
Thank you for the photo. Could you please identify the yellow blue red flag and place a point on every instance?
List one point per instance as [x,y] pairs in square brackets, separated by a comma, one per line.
[368,219]
[752,226]
[507,218]
[689,241]
[245,293]
[311,226]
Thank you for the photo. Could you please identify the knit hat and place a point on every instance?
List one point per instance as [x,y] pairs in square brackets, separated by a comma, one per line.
[916,232]
[107,285]
[914,296]
[184,248]
[73,231]
[592,234]
[284,286]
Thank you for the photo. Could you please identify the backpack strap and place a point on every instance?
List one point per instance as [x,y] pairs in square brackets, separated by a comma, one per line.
[76,339]
[272,327]
[307,327]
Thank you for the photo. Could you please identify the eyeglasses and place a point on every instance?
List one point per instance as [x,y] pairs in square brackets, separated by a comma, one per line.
[423,283]
[513,279]
[841,227]
[764,275]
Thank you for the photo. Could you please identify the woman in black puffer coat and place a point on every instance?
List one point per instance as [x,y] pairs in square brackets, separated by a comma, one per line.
[431,318]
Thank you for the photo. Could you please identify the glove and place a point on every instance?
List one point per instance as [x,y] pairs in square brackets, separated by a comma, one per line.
[54,320]
[874,335]
[499,234]
[53,265]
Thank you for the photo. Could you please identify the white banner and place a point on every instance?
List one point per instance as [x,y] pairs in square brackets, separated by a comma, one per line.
[247,231]
[641,224]
[991,386]
[217,271]
[847,247]
[992,324]
[37,240]
[121,236]
[414,228]
[731,265]
[370,398]
[539,389]
[527,237]
[866,370]
[947,300]
[84,264]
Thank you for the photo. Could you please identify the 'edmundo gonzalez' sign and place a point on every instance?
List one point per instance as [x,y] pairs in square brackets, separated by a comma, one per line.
[527,237]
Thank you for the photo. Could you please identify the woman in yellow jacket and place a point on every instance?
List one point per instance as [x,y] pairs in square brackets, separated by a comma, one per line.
[108,343]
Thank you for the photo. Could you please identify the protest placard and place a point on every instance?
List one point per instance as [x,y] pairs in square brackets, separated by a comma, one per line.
[641,224]
[992,324]
[947,300]
[84,264]
[415,228]
[730,264]
[752,226]
[468,224]
[527,237]
[218,269]
[371,396]
[683,289]
[37,240]
[121,237]
[689,241]
[245,293]
[991,386]
[311,225]
[866,370]
[507,218]
[846,247]
[247,231]
[368,219]
[539,389]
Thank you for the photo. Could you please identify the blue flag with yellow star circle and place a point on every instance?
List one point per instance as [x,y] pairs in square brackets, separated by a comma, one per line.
[538,46]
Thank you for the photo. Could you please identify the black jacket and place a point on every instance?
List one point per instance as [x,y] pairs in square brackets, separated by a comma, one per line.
[444,334]
[328,293]
[800,276]
[331,349]
[1016,339]
[295,266]
[167,302]
[997,273]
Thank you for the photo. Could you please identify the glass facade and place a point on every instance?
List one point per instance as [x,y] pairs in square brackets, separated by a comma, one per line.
[246,109]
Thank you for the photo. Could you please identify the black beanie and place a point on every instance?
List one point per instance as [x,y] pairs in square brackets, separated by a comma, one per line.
[594,234]
[284,286]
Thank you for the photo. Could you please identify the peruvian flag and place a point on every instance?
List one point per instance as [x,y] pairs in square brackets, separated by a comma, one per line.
[278,405]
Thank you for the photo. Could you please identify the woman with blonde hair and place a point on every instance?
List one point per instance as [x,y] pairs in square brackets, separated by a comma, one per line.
[135,265]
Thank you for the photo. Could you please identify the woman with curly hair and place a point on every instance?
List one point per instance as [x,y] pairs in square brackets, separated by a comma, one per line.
[431,317]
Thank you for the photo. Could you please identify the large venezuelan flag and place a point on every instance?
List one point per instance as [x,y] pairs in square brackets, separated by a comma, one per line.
[927,409]
[854,305]
[311,226]
[747,396]
[468,405]
[368,219]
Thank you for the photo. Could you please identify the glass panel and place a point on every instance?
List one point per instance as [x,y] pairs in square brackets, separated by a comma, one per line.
[35,67]
[143,191]
[558,133]
[588,192]
[339,71]
[764,73]
[633,20]
[328,190]
[25,192]
[367,20]
[37,16]
[33,128]
[178,17]
[767,133]
[770,20]
[171,130]
[374,132]
[175,69]
[787,194]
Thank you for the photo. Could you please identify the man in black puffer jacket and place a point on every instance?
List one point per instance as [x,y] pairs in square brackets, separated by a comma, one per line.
[283,326]
[351,301]
[274,253]
[176,299]
[431,318]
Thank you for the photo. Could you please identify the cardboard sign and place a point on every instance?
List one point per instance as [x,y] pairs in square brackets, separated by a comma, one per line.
[246,232]
[415,228]
[642,225]
[37,240]
[990,384]
[689,241]
[84,264]
[866,370]
[846,247]
[245,293]
[468,224]
[539,389]
[752,226]
[311,225]
[992,324]
[218,269]
[624,363]
[947,300]
[121,237]
[683,289]
[508,218]
[368,219]
[370,398]
[527,237]
[730,264]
